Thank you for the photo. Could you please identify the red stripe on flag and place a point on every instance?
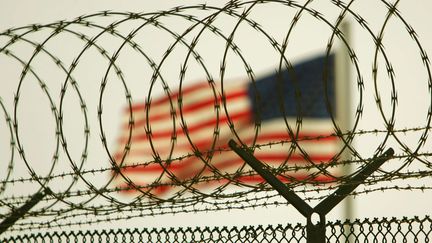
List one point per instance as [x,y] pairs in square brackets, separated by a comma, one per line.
[139,107]
[210,102]
[184,165]
[185,109]
[168,133]
[205,143]
[159,190]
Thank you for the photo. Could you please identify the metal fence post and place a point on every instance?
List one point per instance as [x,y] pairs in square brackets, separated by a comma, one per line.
[315,226]
[20,212]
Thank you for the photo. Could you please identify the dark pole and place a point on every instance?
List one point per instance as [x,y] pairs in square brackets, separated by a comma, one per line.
[331,201]
[279,186]
[20,212]
[315,229]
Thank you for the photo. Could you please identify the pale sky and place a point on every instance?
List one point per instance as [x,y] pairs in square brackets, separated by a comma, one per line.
[310,37]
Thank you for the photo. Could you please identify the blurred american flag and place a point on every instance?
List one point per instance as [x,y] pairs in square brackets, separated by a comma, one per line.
[199,120]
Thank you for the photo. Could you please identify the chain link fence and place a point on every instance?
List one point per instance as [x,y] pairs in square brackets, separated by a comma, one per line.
[91,89]
[376,230]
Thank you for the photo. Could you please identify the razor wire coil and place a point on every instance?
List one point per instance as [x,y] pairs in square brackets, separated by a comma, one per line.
[83,197]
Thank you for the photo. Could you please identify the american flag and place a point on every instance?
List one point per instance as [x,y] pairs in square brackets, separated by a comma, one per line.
[179,141]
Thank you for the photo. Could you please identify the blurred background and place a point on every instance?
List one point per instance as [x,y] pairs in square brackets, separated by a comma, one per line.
[391,85]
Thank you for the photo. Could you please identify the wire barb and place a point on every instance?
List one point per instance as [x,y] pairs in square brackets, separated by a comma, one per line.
[87,77]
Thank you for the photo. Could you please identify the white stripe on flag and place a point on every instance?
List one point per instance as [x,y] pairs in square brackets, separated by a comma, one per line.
[201,118]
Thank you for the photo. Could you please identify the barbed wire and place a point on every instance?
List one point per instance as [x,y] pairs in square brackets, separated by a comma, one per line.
[257,146]
[65,58]
[395,229]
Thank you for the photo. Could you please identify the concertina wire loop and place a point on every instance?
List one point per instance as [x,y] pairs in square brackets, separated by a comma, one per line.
[84,197]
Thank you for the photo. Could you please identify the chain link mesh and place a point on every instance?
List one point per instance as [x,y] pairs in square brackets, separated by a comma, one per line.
[77,195]
[366,230]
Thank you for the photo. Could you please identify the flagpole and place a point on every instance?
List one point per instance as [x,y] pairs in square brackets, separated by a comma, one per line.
[343,107]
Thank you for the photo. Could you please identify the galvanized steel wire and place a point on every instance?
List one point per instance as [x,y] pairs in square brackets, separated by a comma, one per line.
[81,200]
